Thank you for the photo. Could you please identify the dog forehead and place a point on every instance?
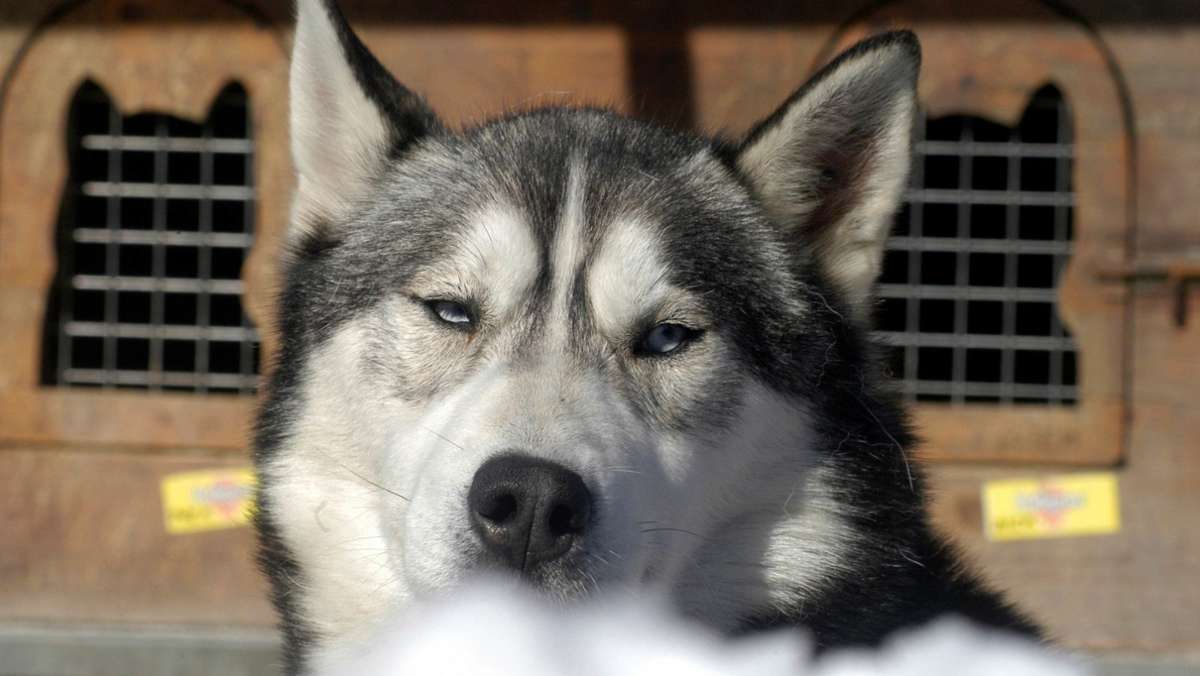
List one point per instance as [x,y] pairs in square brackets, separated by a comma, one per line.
[618,258]
[531,206]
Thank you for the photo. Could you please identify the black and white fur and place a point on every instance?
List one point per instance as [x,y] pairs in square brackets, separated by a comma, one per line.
[759,472]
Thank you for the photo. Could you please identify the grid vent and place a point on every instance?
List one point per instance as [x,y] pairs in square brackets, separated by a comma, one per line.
[968,288]
[156,221]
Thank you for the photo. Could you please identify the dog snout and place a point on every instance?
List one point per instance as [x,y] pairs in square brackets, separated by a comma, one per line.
[528,511]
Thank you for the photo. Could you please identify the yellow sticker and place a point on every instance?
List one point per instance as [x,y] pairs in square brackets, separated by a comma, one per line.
[1052,506]
[208,499]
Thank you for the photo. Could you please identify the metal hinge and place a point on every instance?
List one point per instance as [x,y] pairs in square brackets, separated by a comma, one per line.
[1179,275]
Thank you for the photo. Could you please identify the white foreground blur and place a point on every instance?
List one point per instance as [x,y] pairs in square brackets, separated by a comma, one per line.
[495,628]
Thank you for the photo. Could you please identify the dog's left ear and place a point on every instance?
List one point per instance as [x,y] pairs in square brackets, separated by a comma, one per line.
[831,164]
[349,116]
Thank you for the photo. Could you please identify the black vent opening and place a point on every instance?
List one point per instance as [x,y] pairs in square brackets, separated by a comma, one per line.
[969,285]
[155,224]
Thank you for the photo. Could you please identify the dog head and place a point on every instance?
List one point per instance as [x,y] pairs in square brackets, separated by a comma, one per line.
[580,348]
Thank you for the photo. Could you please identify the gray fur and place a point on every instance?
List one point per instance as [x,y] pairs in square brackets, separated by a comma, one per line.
[759,474]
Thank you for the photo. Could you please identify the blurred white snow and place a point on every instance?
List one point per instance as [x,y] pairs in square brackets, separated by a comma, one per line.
[495,628]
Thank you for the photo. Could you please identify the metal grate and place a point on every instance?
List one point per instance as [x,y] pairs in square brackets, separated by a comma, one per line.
[155,224]
[968,286]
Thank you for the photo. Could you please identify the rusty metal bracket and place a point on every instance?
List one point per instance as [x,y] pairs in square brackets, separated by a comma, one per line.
[1179,275]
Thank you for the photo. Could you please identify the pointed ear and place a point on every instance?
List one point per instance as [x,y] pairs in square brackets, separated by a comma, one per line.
[349,116]
[831,164]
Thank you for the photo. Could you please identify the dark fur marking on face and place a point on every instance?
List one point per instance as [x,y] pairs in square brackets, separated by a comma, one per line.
[275,559]
[315,241]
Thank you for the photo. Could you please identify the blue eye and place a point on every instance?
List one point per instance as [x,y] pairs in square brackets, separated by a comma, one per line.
[666,338]
[450,312]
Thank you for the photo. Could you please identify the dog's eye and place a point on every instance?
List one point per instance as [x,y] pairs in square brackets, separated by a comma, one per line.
[666,338]
[451,312]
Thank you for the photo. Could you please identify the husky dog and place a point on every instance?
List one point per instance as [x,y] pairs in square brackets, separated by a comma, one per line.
[595,353]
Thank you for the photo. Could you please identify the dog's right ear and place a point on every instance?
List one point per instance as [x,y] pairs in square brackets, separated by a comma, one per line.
[349,116]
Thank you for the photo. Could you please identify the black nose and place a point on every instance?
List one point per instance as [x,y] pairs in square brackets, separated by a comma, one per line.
[528,511]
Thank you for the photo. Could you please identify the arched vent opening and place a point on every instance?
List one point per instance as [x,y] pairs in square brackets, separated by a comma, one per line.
[969,286]
[156,221]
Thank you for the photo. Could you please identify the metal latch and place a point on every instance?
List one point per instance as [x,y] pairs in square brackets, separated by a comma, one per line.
[1179,275]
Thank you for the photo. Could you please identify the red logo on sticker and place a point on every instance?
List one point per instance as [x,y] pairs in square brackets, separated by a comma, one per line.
[225,495]
[1050,503]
